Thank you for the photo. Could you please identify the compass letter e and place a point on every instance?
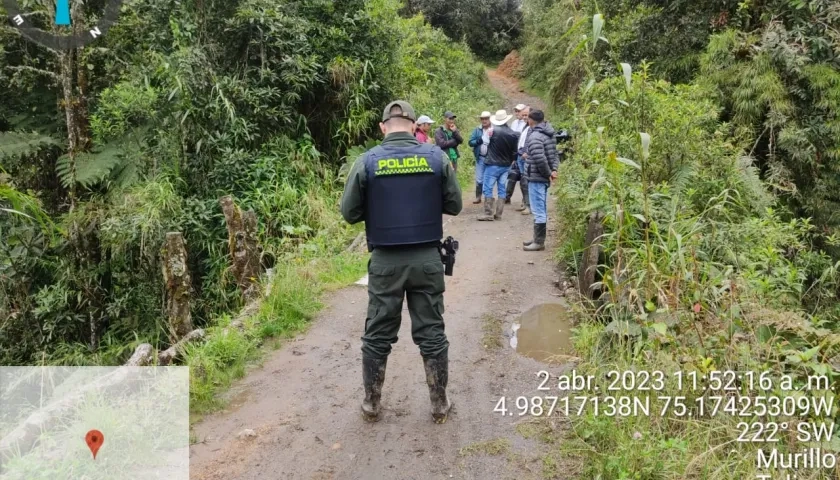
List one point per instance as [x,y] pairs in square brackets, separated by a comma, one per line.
[62,12]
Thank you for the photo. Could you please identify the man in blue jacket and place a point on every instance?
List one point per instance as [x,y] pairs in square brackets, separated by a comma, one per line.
[480,141]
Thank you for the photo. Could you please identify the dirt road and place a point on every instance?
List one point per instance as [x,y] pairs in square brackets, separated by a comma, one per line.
[303,404]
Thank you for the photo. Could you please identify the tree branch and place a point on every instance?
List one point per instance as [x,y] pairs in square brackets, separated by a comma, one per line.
[37,71]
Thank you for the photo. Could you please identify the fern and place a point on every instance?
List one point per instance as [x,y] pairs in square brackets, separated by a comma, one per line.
[15,145]
[90,168]
[112,162]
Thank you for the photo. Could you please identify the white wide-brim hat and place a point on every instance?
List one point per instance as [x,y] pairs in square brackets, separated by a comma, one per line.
[500,118]
[485,114]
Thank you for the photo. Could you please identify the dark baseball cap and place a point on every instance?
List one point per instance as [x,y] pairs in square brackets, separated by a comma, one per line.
[449,115]
[398,109]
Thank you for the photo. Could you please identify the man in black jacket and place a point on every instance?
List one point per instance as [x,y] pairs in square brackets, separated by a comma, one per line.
[447,137]
[541,162]
[500,155]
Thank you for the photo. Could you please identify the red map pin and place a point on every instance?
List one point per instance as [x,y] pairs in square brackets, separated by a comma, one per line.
[94,440]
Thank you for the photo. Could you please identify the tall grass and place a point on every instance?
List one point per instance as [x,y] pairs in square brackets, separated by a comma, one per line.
[295,296]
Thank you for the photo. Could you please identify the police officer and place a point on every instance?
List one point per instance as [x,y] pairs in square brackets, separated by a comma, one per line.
[400,189]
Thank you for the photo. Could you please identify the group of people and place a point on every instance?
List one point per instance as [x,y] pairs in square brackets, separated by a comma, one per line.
[400,189]
[506,152]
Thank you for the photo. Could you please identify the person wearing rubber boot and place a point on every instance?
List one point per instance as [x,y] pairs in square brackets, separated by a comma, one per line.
[500,155]
[400,189]
[525,208]
[541,162]
[480,141]
[516,170]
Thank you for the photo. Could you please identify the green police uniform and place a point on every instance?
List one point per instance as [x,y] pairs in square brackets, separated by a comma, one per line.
[397,272]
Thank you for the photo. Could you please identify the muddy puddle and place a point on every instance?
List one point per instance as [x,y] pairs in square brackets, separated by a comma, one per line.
[544,333]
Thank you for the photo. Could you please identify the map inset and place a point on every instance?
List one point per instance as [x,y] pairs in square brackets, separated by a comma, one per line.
[46,414]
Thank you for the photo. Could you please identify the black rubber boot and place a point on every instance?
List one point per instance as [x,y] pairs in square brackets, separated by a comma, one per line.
[500,208]
[529,242]
[437,376]
[526,200]
[373,374]
[539,239]
[478,188]
[488,211]
[511,186]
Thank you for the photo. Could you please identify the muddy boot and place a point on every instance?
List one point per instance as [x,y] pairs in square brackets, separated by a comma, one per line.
[437,376]
[526,201]
[529,242]
[539,239]
[511,186]
[488,210]
[478,188]
[373,374]
[500,207]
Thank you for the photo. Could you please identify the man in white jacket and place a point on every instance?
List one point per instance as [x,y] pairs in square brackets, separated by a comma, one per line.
[521,113]
[517,170]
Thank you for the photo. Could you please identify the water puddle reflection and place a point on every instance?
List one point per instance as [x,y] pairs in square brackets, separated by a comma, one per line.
[543,332]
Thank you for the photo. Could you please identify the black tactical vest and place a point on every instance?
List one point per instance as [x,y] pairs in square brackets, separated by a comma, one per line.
[404,197]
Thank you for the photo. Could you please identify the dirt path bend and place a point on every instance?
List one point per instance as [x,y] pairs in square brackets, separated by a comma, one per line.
[512,92]
[303,404]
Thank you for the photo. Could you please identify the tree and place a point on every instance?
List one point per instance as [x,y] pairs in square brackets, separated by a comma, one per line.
[491,28]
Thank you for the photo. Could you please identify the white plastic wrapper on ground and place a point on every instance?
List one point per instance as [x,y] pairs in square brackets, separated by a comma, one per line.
[142,412]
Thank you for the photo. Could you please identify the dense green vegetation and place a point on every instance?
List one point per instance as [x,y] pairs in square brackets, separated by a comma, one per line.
[491,28]
[105,149]
[706,135]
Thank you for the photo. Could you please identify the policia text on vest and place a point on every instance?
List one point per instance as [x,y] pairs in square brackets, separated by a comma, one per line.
[398,166]
[401,189]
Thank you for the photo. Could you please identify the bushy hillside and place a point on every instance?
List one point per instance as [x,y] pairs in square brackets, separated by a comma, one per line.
[719,250]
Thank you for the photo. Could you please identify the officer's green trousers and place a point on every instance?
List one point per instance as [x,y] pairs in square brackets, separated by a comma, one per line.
[414,273]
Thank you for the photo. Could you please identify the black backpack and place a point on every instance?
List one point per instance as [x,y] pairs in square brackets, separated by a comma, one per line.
[562,137]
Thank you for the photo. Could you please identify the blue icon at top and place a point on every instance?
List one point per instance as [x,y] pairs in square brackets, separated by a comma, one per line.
[62,12]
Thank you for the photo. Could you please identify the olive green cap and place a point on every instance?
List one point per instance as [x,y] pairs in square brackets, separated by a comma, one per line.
[406,111]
